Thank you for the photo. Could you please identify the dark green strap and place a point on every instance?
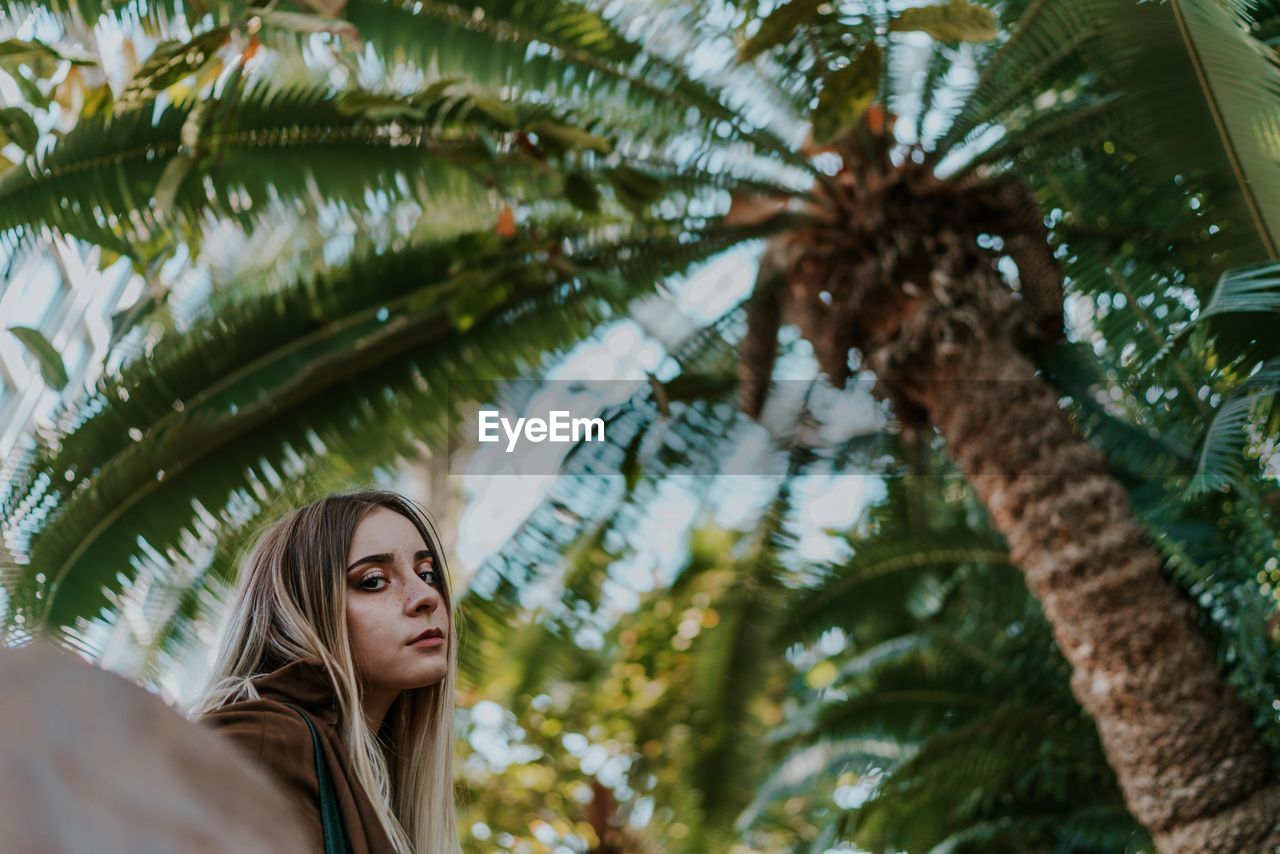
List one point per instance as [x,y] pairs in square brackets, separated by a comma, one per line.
[335,836]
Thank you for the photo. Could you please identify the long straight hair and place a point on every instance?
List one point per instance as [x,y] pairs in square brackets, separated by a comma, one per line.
[290,604]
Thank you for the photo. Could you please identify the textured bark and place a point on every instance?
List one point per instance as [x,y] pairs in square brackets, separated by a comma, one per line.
[1187,757]
[892,264]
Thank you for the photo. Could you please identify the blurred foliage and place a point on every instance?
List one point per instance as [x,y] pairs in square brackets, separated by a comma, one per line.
[920,703]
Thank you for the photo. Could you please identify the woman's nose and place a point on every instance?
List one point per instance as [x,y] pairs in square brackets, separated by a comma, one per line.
[423,597]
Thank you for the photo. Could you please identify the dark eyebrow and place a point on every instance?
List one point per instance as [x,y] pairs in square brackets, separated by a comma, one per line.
[386,557]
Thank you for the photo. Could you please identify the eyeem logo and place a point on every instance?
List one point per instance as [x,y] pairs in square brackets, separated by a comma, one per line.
[560,429]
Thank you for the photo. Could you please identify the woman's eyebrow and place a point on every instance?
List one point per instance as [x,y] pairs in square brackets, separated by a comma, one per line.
[384,557]
[387,557]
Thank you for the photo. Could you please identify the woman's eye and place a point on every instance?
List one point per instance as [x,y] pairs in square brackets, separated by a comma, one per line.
[364,585]
[428,575]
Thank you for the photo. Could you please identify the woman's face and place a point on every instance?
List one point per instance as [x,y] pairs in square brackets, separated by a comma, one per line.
[393,597]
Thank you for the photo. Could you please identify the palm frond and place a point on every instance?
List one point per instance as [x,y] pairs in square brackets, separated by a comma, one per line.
[801,769]
[1006,755]
[1240,83]
[91,11]
[897,560]
[98,182]
[1036,57]
[732,659]
[1200,103]
[1220,462]
[1256,289]
[940,63]
[561,49]
[303,342]
[1044,135]
[1247,291]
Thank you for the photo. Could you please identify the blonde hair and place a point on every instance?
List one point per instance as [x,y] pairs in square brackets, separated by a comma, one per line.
[290,604]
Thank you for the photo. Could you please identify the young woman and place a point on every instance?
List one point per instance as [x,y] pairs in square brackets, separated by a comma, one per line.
[343,611]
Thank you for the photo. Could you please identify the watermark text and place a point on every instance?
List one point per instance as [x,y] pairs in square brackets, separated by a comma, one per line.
[558,428]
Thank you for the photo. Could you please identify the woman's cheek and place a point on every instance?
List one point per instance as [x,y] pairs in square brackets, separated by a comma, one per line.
[358,627]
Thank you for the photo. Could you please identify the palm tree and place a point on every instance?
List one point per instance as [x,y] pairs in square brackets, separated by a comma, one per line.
[560,169]
[999,665]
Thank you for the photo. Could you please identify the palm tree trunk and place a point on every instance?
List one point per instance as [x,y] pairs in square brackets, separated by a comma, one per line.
[1189,761]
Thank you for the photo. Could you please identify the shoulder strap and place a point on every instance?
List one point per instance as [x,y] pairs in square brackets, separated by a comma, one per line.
[335,835]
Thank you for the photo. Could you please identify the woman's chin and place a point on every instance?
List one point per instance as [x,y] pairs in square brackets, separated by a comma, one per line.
[427,677]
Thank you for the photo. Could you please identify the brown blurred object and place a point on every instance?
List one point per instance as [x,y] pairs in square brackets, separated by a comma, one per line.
[91,762]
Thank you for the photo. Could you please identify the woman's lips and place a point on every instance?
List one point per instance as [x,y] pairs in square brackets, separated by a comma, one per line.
[429,642]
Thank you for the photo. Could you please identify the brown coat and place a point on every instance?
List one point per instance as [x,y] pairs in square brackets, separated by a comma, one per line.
[276,736]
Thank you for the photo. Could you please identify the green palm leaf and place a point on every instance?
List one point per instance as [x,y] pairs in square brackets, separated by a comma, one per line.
[1240,84]
[805,767]
[896,561]
[1202,95]
[204,396]
[97,183]
[1255,289]
[558,48]
[1220,462]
